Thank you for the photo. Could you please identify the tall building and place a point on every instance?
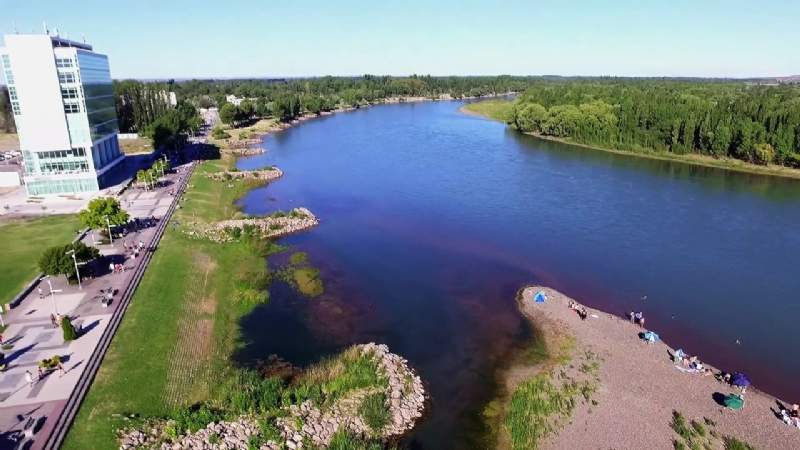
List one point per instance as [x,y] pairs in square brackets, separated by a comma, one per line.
[63,105]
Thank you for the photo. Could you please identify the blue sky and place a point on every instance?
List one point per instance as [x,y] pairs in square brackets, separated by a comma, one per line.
[180,39]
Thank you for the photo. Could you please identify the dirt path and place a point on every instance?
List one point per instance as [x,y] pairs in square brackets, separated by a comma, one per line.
[640,388]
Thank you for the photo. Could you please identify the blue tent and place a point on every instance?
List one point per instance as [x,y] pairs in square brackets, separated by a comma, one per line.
[539,297]
[650,337]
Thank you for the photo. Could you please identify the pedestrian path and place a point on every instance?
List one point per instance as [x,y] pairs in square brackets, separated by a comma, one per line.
[32,335]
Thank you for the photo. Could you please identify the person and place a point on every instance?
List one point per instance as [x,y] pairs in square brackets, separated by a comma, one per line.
[141,244]
[41,293]
[40,372]
[632,316]
[60,367]
[53,320]
[112,267]
[582,313]
[29,377]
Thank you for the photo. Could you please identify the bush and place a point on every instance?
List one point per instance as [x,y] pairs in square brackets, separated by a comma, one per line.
[56,261]
[219,133]
[194,418]
[68,329]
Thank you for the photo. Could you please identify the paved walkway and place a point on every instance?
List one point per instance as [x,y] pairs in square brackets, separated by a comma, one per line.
[31,335]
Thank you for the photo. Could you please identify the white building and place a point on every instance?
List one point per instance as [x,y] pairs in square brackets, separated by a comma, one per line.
[63,104]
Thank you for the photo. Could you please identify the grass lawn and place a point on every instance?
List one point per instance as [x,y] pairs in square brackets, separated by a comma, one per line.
[172,347]
[133,146]
[499,110]
[24,240]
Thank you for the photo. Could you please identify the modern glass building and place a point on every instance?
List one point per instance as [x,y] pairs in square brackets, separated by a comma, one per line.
[63,104]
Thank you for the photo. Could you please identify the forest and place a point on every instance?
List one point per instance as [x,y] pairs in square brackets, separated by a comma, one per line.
[758,124]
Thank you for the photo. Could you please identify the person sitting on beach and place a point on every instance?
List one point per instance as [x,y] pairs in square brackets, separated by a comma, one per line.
[632,316]
[582,313]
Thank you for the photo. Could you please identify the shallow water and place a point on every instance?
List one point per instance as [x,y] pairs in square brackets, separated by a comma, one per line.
[431,220]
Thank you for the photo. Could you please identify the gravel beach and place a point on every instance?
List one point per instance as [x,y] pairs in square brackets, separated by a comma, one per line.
[640,388]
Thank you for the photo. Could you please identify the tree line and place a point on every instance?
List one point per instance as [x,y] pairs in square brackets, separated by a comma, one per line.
[754,123]
[287,99]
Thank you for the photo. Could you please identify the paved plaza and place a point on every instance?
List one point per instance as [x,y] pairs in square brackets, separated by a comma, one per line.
[31,408]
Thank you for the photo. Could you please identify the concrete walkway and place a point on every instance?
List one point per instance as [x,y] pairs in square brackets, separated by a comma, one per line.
[31,335]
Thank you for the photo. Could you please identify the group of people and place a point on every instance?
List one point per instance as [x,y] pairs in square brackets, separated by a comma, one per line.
[134,248]
[116,268]
[580,309]
[791,416]
[637,317]
[690,363]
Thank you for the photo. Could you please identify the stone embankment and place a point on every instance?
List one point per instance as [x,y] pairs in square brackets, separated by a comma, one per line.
[405,402]
[270,174]
[273,226]
[221,435]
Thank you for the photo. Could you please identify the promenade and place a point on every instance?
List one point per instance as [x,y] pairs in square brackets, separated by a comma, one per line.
[30,412]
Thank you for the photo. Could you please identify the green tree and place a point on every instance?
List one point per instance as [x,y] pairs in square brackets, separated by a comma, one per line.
[56,260]
[95,214]
[228,114]
[68,329]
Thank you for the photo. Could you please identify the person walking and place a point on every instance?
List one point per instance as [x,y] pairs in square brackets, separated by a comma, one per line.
[29,377]
[41,293]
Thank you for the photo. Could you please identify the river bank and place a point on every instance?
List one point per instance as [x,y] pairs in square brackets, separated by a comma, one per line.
[499,112]
[635,397]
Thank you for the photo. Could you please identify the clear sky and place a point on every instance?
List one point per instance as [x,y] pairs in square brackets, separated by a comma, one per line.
[184,39]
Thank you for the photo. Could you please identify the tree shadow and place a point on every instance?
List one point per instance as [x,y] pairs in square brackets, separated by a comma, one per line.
[18,353]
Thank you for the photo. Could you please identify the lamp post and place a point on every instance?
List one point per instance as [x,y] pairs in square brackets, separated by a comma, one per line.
[108,223]
[77,272]
[52,294]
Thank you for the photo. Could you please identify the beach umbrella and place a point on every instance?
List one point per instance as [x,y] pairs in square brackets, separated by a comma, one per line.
[740,379]
[733,401]
[540,297]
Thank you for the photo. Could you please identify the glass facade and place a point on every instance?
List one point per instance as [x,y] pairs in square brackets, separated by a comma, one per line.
[98,94]
[60,186]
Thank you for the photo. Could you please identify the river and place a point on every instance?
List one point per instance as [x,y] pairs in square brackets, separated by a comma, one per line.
[432,219]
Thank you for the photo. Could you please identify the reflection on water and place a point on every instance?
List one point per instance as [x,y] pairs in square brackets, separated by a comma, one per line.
[431,220]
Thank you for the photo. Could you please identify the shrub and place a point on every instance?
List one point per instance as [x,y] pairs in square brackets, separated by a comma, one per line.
[56,261]
[344,441]
[195,417]
[68,329]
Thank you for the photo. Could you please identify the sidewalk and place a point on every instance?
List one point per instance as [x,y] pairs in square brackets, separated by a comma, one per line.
[33,336]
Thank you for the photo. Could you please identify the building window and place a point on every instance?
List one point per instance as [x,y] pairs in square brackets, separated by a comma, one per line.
[12,93]
[15,108]
[63,62]
[69,92]
[71,108]
[66,77]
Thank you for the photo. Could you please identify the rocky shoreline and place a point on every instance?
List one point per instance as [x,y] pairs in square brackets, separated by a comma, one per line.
[274,226]
[305,424]
[266,175]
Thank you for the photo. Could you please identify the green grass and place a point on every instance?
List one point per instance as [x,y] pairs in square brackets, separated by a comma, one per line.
[500,110]
[373,411]
[172,348]
[24,240]
[335,377]
[536,407]
[696,436]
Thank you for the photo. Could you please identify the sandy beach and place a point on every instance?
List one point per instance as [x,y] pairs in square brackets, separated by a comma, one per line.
[639,388]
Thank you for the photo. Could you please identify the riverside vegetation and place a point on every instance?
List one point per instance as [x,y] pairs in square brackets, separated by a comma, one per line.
[729,124]
[167,379]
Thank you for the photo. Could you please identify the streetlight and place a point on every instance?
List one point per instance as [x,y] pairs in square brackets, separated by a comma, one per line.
[52,293]
[108,222]
[77,272]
